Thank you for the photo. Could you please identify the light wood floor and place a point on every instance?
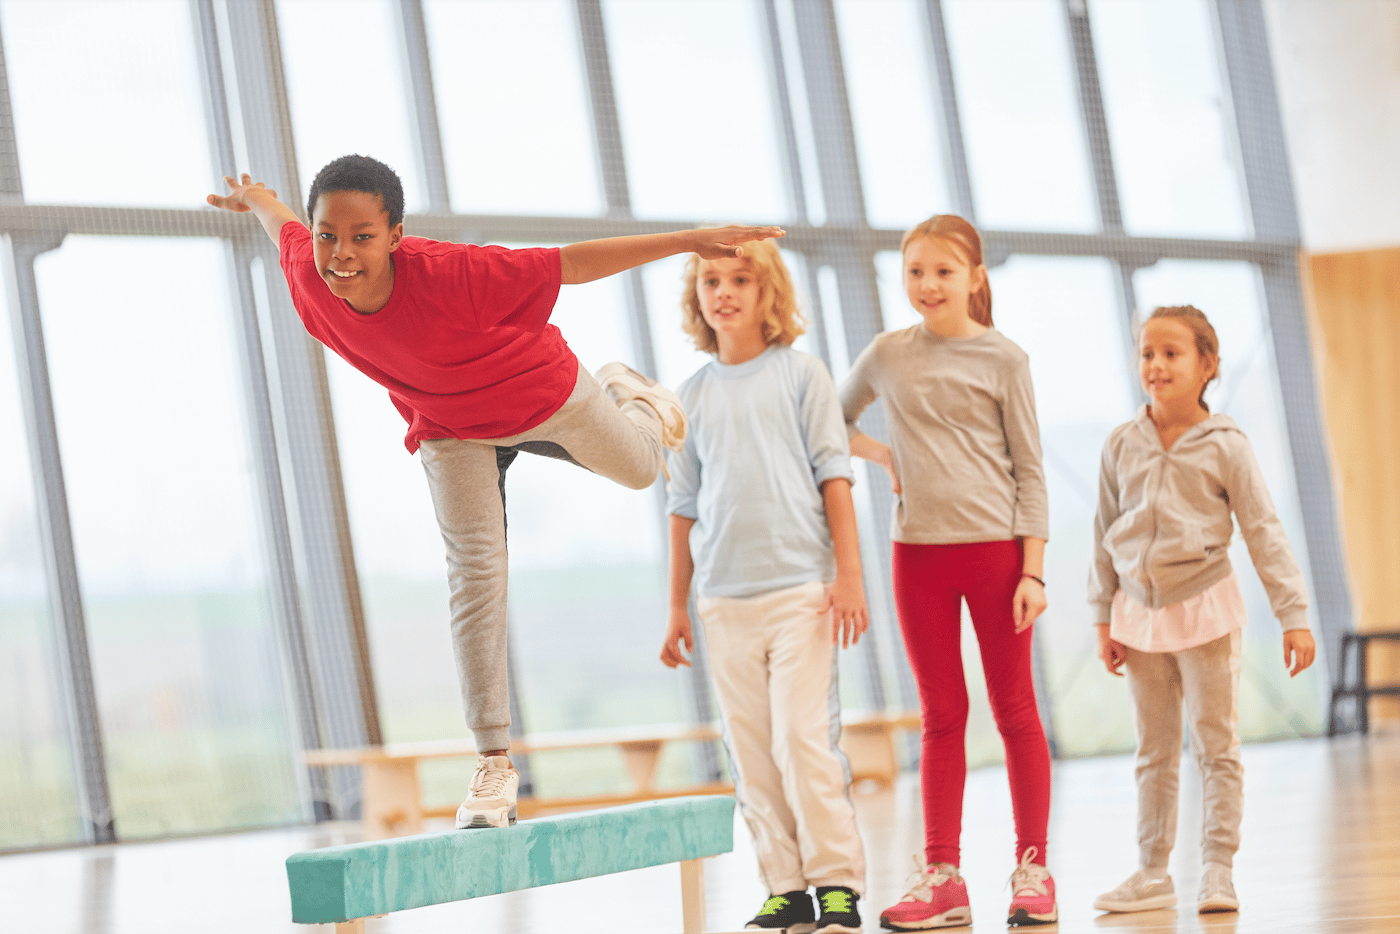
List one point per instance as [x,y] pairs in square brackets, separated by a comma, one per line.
[1321,854]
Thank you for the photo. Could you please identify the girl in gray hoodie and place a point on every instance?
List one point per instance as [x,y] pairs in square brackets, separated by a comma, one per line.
[1169,609]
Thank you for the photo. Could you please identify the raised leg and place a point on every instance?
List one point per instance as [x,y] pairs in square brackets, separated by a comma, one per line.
[355,926]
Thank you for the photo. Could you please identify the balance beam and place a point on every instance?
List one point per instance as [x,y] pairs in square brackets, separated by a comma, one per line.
[344,885]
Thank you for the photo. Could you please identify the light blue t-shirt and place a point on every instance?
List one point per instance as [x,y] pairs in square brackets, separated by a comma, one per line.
[764,436]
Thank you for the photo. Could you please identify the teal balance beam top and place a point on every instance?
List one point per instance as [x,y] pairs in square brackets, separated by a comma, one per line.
[341,883]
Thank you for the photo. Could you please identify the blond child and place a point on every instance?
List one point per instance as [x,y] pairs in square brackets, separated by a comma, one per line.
[1169,609]
[762,523]
[971,523]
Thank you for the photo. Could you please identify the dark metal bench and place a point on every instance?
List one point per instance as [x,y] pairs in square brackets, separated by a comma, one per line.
[1361,690]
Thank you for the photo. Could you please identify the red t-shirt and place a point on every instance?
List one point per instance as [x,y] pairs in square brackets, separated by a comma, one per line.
[464,345]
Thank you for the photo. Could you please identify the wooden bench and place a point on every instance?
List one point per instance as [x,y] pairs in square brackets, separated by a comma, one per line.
[391,790]
[344,885]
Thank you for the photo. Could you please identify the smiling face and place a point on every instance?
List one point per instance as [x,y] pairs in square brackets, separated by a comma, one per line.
[939,282]
[353,243]
[728,293]
[1173,371]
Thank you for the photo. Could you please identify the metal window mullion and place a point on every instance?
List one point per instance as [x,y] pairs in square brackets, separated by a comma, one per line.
[853,262]
[427,136]
[87,752]
[1243,38]
[612,166]
[1086,73]
[792,172]
[954,147]
[1107,201]
[1106,197]
[87,748]
[272,505]
[337,644]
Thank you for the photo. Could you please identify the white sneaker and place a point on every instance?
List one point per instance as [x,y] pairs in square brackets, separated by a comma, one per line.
[1217,889]
[1142,891]
[491,800]
[623,384]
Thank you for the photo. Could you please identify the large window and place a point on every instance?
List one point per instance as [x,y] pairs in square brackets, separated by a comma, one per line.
[251,557]
[164,513]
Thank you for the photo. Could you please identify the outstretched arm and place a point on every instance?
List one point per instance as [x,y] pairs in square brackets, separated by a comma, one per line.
[596,259]
[249,195]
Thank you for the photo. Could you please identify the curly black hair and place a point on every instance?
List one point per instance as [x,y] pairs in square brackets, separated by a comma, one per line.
[359,173]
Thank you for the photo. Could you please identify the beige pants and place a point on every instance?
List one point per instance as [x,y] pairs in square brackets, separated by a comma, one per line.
[1207,678]
[467,480]
[774,667]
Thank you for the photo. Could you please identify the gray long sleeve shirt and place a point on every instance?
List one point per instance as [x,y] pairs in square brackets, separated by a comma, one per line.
[1163,528]
[963,433]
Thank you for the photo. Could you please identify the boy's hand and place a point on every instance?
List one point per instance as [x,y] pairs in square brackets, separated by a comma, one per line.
[676,634]
[237,198]
[1027,603]
[256,197]
[849,616]
[1300,645]
[724,242]
[1112,652]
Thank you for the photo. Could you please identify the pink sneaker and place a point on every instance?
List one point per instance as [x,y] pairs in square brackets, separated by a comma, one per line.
[1032,893]
[937,898]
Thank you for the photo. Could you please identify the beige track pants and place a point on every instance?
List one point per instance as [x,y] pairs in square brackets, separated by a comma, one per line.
[1207,678]
[774,667]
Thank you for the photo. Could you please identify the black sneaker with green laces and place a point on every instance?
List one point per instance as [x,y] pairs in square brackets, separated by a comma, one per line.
[839,914]
[791,912]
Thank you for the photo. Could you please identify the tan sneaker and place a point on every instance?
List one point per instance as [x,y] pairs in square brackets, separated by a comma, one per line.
[1142,891]
[622,384]
[491,799]
[1217,889]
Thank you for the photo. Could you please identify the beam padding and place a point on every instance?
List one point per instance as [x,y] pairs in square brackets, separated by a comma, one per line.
[341,883]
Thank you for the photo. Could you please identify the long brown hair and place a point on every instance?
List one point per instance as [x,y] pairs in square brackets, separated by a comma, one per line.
[777,300]
[962,237]
[1207,344]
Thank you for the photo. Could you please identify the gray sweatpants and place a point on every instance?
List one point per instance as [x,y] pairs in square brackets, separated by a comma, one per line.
[467,480]
[1207,677]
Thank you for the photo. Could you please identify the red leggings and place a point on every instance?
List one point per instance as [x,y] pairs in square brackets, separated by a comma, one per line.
[930,583]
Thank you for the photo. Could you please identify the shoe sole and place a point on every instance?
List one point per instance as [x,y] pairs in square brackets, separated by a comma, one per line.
[1022,917]
[1143,904]
[1209,905]
[838,928]
[805,927]
[952,918]
[492,817]
[647,390]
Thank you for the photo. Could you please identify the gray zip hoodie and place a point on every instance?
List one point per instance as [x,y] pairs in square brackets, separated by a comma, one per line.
[1163,526]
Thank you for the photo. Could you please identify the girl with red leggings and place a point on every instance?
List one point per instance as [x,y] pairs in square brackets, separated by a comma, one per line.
[970,524]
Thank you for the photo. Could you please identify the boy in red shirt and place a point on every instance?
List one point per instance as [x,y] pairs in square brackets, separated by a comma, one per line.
[460,337]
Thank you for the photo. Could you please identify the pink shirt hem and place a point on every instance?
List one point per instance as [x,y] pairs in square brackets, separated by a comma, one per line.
[1210,614]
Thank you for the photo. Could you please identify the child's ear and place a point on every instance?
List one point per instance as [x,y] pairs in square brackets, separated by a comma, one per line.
[395,236]
[979,277]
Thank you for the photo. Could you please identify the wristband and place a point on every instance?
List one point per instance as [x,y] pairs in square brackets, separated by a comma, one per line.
[1034,578]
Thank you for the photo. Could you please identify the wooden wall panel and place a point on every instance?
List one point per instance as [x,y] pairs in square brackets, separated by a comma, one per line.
[1356,307]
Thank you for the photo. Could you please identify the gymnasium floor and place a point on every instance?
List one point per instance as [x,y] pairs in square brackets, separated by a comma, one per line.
[1321,854]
